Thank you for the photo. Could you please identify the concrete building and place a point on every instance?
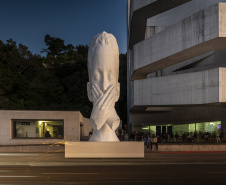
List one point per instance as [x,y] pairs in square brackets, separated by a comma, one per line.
[42,127]
[176,66]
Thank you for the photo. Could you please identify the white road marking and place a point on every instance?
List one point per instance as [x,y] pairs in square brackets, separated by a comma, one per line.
[70,173]
[6,154]
[16,176]
[5,170]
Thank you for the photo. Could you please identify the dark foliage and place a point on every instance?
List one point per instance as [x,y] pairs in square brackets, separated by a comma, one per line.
[55,82]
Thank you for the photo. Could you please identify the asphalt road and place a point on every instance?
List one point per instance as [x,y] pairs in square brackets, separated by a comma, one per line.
[123,175]
[155,168]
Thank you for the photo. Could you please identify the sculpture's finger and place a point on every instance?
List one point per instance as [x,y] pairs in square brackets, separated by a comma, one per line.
[97,89]
[111,103]
[110,99]
[98,100]
[107,95]
[94,95]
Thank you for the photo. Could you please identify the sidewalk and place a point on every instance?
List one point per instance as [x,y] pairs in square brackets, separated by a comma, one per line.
[186,157]
[164,147]
[151,158]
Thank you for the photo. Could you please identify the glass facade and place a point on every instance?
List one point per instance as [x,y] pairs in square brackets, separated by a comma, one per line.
[38,129]
[197,131]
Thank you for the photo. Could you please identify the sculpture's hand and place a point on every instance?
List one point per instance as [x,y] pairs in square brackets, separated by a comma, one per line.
[96,93]
[103,105]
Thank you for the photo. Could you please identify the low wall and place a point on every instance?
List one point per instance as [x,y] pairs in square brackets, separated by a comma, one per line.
[31,148]
[190,147]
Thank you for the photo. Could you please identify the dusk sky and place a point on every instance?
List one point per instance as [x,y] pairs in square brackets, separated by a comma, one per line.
[74,21]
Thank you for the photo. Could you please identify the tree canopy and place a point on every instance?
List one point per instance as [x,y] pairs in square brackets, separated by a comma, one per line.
[54,82]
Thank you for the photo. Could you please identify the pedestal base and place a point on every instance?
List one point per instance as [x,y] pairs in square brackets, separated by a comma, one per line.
[104,149]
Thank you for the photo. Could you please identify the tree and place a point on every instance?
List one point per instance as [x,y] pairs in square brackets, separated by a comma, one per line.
[82,52]
[55,46]
[57,81]
[16,58]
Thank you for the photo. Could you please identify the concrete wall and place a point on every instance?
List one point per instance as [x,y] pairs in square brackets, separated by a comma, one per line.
[203,87]
[176,68]
[186,39]
[179,13]
[140,11]
[72,120]
[141,3]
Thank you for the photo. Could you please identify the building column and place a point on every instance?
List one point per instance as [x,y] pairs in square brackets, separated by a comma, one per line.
[223,126]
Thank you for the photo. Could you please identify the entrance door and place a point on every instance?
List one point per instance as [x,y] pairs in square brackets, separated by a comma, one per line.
[169,129]
[163,129]
[158,130]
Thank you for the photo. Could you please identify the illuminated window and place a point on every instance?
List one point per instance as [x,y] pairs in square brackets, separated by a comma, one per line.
[51,129]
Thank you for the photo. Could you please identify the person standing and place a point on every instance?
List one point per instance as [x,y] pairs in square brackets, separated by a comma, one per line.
[126,137]
[154,141]
[147,141]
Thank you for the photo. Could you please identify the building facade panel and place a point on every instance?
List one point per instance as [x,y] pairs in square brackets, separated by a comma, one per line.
[180,42]
[176,73]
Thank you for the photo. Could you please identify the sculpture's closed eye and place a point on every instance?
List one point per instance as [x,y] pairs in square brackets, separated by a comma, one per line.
[110,76]
[96,76]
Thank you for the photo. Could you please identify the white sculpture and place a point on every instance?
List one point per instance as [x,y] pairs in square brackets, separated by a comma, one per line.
[103,87]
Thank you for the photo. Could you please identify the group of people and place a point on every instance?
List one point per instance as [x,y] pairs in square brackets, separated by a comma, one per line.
[122,134]
[200,137]
[136,136]
[151,141]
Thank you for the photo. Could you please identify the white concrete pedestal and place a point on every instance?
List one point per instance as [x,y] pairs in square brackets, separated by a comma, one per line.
[104,149]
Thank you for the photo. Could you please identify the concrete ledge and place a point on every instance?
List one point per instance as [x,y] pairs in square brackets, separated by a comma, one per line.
[202,87]
[104,149]
[31,148]
[192,147]
[142,10]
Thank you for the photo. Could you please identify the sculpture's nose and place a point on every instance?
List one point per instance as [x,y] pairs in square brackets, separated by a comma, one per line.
[104,85]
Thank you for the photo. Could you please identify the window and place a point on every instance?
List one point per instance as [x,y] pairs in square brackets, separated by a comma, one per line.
[51,129]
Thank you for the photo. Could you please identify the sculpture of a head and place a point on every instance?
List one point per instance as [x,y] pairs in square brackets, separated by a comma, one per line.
[103,63]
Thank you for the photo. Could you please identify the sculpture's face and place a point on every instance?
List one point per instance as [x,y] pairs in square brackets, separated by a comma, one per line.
[104,72]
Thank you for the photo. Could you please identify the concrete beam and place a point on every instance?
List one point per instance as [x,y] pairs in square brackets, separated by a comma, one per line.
[200,33]
[205,87]
[180,13]
[180,115]
[140,16]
